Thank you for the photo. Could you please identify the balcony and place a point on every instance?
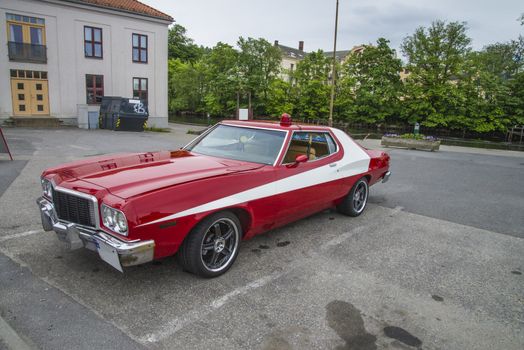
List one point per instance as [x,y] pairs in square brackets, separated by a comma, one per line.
[22,52]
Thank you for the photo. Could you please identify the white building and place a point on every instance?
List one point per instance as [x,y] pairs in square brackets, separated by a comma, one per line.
[59,57]
[290,59]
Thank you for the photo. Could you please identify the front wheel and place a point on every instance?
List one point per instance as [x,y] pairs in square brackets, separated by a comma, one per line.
[212,246]
[355,201]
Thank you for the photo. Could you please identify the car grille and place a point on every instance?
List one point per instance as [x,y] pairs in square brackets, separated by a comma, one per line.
[74,209]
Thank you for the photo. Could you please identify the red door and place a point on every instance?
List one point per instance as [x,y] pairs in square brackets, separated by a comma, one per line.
[306,188]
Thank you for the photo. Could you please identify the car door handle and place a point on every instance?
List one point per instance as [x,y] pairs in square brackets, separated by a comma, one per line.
[333,165]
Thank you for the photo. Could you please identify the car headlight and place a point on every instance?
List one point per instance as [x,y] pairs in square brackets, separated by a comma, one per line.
[114,220]
[47,187]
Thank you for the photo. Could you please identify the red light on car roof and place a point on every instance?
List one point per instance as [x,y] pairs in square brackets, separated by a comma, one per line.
[285,120]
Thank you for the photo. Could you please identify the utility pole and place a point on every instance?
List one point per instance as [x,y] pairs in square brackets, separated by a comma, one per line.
[334,71]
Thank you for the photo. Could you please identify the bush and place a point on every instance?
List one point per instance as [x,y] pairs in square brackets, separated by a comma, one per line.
[412,136]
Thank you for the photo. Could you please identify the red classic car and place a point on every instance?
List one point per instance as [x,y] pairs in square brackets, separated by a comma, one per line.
[236,180]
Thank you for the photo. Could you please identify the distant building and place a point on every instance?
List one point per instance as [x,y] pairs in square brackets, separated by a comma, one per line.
[341,56]
[290,58]
[404,74]
[60,57]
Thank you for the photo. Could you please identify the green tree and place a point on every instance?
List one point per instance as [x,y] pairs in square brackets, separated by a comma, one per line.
[370,88]
[179,46]
[488,84]
[280,98]
[186,86]
[259,65]
[435,59]
[311,86]
[515,103]
[484,95]
[222,80]
[502,59]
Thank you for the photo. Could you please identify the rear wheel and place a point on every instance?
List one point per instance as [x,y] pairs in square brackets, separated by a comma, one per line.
[355,201]
[212,246]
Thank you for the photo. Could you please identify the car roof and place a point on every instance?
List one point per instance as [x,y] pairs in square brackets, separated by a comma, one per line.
[269,124]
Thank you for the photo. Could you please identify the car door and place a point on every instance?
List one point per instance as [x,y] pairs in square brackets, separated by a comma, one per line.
[308,187]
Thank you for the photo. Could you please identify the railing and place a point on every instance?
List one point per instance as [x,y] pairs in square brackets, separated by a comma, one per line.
[23,52]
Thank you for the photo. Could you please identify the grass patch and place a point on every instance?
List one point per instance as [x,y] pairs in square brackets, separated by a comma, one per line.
[154,129]
[195,132]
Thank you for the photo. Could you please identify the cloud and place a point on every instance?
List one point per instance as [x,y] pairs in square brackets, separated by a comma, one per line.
[360,21]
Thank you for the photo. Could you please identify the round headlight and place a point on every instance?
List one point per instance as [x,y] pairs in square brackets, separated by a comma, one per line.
[121,222]
[47,187]
[114,220]
[107,215]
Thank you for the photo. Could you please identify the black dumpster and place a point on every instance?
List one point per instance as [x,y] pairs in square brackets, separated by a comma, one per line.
[109,107]
[124,114]
[132,116]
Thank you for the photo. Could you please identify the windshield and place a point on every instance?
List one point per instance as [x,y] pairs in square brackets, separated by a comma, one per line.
[238,143]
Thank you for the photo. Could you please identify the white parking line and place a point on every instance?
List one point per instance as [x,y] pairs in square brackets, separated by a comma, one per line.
[81,147]
[10,338]
[177,324]
[21,234]
[242,290]
[194,315]
[396,210]
[340,238]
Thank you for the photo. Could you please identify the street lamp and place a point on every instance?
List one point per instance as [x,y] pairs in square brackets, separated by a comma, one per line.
[334,71]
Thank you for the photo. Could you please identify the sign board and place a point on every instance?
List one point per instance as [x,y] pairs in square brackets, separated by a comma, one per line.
[3,145]
[243,114]
[416,129]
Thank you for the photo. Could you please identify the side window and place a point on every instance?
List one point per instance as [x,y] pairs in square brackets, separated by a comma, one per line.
[314,145]
[331,144]
[139,48]
[94,88]
[92,42]
[140,88]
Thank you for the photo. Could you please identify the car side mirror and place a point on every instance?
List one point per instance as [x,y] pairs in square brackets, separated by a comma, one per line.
[301,158]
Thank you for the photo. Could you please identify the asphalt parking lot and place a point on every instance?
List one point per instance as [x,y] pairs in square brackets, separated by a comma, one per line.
[435,262]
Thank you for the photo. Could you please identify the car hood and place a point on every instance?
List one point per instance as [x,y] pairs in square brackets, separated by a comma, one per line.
[128,175]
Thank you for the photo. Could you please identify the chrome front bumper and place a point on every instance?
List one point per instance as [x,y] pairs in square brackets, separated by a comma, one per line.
[115,252]
[386,176]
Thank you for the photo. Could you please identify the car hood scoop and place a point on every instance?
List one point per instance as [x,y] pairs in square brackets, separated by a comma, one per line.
[128,175]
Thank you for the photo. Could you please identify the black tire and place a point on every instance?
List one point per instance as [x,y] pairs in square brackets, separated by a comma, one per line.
[351,205]
[209,252]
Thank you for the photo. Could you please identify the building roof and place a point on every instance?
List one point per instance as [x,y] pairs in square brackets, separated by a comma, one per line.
[292,52]
[132,6]
[339,55]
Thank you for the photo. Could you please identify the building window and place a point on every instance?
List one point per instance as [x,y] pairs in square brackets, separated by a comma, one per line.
[93,42]
[24,74]
[140,88]
[26,38]
[25,29]
[94,88]
[140,48]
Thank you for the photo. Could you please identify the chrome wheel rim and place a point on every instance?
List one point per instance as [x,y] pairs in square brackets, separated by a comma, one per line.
[219,244]
[360,196]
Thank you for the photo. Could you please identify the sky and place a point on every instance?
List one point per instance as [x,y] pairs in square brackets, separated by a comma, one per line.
[360,21]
